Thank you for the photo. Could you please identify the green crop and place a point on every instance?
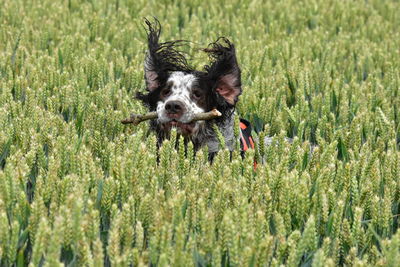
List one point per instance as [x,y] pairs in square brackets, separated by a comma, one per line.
[78,188]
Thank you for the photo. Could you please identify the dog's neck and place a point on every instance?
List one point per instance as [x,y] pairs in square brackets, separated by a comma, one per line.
[227,130]
[207,136]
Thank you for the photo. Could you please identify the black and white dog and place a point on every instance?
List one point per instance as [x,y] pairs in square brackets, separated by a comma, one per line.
[177,91]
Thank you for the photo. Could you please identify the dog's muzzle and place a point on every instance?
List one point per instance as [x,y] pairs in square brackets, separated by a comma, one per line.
[174,109]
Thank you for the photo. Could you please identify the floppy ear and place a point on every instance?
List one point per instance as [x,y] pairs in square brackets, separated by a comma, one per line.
[225,70]
[228,86]
[161,58]
[151,74]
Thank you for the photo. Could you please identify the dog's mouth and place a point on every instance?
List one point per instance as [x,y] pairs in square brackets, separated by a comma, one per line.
[183,128]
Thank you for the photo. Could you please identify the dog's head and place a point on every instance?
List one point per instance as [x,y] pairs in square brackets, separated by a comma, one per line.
[177,92]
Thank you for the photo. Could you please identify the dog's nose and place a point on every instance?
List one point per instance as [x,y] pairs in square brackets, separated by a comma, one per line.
[174,107]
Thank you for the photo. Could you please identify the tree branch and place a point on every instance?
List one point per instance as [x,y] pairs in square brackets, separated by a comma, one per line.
[135,119]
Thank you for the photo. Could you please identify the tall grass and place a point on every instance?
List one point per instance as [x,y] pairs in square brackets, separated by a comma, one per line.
[80,189]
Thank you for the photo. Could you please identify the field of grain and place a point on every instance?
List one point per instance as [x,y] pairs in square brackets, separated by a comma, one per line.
[78,188]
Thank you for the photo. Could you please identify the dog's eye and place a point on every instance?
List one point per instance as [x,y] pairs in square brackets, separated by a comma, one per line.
[196,94]
[166,92]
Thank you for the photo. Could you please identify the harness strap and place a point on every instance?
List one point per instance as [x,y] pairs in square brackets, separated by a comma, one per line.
[246,141]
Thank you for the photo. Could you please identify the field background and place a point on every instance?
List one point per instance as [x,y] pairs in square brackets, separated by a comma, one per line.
[80,189]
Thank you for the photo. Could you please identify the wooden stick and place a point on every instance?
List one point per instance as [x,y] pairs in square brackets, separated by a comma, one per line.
[135,119]
[207,115]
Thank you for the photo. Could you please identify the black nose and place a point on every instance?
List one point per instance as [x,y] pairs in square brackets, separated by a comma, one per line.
[174,107]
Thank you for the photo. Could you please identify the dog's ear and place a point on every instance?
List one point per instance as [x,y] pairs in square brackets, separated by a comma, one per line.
[151,73]
[224,70]
[161,58]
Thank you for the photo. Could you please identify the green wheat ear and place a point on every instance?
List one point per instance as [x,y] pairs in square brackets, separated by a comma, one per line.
[220,137]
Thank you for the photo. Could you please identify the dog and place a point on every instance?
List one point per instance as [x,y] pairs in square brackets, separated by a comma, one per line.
[176,92]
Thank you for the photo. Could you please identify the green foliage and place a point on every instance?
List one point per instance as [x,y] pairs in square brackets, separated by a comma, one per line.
[79,188]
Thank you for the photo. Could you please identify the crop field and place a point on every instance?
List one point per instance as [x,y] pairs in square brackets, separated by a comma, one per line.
[78,188]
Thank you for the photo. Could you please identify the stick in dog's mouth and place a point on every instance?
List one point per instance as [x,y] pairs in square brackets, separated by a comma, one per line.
[135,119]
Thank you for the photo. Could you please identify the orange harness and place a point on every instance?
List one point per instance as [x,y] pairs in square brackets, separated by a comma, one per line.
[246,141]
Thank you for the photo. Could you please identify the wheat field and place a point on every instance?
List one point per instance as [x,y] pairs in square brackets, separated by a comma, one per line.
[78,188]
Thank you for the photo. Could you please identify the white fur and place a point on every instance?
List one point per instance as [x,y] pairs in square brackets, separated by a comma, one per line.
[182,86]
